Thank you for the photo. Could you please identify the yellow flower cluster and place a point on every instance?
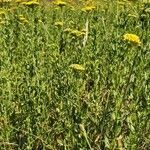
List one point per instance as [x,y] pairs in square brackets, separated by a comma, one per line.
[76,33]
[31,3]
[60,3]
[88,8]
[77,67]
[132,38]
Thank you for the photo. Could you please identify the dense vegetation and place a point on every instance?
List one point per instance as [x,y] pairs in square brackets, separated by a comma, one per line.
[75,75]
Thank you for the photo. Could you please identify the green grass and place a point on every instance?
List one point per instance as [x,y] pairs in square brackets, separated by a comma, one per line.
[47,105]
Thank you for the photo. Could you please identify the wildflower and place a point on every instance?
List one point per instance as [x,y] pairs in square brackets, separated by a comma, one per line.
[132,38]
[77,67]
[88,8]
[60,3]
[30,3]
[58,24]
[76,33]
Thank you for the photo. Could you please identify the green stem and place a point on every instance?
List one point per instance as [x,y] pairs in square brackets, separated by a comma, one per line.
[130,74]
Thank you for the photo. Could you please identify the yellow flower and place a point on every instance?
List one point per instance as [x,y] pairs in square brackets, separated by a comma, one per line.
[76,33]
[132,38]
[30,3]
[60,3]
[88,8]
[58,24]
[77,67]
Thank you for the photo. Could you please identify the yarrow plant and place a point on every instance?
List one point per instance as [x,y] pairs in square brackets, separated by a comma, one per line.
[77,67]
[30,3]
[88,8]
[76,33]
[60,3]
[132,38]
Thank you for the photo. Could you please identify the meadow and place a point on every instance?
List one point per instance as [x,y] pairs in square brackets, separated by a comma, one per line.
[75,75]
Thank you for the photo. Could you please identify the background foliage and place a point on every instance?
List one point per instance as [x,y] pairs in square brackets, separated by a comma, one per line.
[46,104]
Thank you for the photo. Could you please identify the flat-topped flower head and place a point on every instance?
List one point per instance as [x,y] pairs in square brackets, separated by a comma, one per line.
[76,33]
[88,8]
[30,3]
[77,67]
[132,38]
[60,3]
